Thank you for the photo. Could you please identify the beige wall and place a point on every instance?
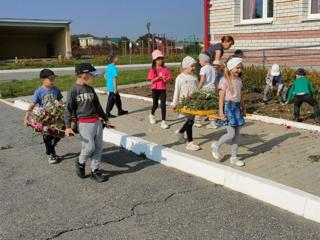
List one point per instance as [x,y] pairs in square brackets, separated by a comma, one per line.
[24,45]
[291,25]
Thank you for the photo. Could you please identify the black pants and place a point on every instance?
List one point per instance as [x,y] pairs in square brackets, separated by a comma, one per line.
[187,127]
[299,99]
[162,95]
[50,142]
[114,98]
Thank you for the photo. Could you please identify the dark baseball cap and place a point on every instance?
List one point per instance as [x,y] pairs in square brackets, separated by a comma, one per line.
[87,68]
[301,72]
[46,73]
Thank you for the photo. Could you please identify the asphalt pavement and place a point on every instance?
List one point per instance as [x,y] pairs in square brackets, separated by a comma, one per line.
[141,200]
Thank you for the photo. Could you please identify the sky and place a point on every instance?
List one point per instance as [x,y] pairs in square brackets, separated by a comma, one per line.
[114,18]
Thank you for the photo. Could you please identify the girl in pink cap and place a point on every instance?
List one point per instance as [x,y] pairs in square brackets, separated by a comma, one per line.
[159,75]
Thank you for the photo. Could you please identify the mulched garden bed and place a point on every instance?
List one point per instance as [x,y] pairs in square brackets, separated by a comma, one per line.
[253,103]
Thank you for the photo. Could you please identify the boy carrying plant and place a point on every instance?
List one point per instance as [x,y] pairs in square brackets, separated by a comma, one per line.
[83,103]
[302,91]
[46,94]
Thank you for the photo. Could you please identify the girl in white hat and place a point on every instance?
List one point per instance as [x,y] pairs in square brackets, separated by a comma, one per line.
[231,109]
[186,84]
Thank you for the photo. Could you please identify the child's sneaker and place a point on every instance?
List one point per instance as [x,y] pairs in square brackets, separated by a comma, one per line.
[192,146]
[215,151]
[80,169]
[237,162]
[180,137]
[164,125]
[211,126]
[52,159]
[152,119]
[98,176]
[197,125]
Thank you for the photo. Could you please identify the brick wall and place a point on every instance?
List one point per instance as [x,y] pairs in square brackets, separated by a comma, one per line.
[291,25]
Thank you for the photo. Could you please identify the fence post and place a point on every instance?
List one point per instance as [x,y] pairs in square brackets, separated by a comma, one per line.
[264,59]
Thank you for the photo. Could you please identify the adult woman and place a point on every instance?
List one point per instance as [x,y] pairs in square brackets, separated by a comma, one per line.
[216,51]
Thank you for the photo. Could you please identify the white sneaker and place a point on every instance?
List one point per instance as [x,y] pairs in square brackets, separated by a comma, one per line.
[237,162]
[180,137]
[211,126]
[152,119]
[197,125]
[215,151]
[52,159]
[164,125]
[192,146]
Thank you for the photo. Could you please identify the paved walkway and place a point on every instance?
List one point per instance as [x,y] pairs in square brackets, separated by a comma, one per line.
[270,151]
[142,199]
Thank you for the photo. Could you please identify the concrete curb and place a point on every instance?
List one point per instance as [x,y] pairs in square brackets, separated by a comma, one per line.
[284,197]
[266,119]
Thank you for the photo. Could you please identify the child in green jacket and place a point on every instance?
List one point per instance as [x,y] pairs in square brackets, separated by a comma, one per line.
[302,91]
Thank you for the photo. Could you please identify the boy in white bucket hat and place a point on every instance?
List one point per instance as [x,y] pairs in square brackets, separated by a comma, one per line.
[274,79]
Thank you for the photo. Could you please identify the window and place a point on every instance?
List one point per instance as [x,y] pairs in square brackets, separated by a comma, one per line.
[256,11]
[314,9]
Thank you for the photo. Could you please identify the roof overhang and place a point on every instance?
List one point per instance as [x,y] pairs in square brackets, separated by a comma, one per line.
[10,22]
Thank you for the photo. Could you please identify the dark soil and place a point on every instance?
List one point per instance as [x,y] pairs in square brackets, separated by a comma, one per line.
[253,104]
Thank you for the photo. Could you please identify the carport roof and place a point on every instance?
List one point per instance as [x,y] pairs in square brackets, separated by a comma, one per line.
[31,22]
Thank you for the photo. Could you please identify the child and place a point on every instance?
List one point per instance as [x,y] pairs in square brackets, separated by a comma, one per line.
[230,103]
[218,73]
[274,79]
[238,53]
[207,83]
[48,93]
[302,91]
[159,75]
[83,103]
[186,84]
[114,96]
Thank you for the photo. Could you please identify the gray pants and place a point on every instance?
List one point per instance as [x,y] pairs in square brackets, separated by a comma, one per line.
[267,90]
[232,134]
[91,142]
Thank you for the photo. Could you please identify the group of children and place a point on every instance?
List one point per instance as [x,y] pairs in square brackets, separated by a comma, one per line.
[85,115]
[228,85]
[299,92]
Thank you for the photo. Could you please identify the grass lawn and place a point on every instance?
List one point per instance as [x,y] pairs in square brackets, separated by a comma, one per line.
[24,88]
[98,61]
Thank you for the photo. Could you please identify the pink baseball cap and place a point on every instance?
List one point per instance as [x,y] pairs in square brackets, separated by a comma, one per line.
[157,54]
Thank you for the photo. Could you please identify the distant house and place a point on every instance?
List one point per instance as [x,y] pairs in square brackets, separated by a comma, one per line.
[34,38]
[90,41]
[257,24]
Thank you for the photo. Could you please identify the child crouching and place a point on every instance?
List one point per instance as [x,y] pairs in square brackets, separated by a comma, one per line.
[186,84]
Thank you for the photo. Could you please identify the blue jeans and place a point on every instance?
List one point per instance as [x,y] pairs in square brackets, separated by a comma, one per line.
[234,114]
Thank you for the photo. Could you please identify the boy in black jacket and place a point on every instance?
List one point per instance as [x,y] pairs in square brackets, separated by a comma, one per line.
[83,103]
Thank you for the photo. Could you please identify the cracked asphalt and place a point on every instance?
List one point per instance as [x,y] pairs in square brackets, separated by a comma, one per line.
[142,199]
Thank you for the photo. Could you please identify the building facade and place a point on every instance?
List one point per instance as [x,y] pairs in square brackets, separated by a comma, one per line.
[90,41]
[33,38]
[265,24]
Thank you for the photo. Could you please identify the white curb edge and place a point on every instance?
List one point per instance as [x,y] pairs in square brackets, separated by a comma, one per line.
[284,197]
[266,119]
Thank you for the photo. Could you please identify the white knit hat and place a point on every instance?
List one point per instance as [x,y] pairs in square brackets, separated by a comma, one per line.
[233,62]
[204,57]
[275,70]
[188,62]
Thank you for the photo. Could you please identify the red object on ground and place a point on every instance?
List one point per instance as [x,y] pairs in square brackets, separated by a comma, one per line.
[289,127]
